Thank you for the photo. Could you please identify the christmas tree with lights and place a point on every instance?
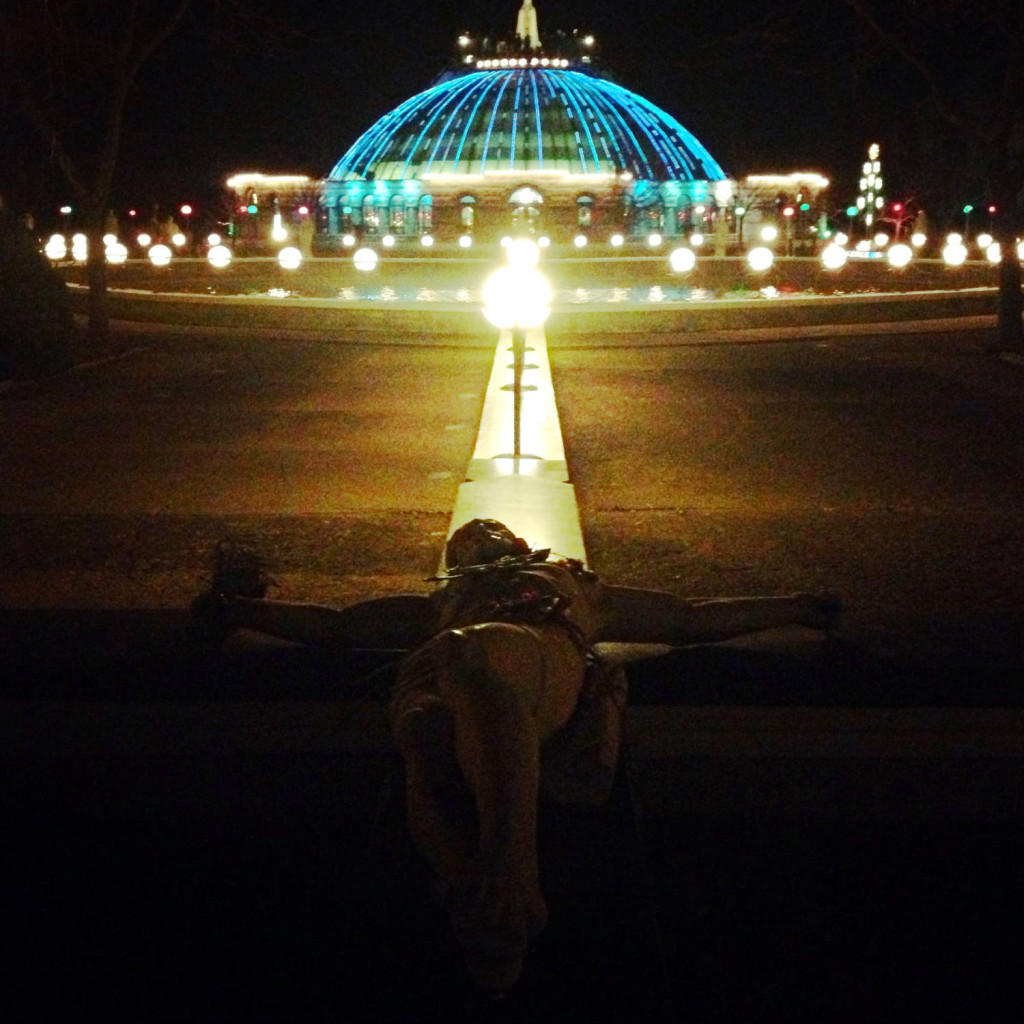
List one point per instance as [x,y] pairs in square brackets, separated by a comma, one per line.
[871,201]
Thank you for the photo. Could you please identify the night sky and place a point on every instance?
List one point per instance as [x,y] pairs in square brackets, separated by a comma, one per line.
[777,85]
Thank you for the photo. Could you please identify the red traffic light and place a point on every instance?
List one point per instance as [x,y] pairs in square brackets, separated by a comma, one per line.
[897,207]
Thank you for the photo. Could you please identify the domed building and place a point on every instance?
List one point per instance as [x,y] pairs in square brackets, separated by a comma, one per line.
[519,137]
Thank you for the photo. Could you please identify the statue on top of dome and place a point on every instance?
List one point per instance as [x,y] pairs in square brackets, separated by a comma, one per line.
[526,26]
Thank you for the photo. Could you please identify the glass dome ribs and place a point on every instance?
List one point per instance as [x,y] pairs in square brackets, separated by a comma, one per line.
[520,120]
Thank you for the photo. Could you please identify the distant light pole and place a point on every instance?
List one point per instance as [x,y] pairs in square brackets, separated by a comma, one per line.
[516,298]
[186,212]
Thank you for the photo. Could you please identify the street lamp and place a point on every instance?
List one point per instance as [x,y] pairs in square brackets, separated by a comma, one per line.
[290,258]
[833,257]
[899,255]
[159,255]
[365,259]
[219,256]
[517,297]
[682,260]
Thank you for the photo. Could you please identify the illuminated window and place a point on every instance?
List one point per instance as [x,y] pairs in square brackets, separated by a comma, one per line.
[397,215]
[371,216]
[525,196]
[584,206]
[426,214]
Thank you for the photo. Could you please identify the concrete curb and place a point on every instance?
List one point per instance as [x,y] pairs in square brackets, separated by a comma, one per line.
[459,323]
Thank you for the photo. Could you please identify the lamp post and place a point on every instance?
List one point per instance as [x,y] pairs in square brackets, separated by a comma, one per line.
[517,297]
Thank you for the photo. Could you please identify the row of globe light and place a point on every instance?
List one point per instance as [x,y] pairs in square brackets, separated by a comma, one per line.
[760,258]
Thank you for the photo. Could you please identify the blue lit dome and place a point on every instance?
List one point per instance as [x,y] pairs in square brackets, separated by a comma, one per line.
[523,119]
[519,138]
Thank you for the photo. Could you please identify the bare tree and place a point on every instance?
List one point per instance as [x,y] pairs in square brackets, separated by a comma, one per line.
[70,67]
[969,56]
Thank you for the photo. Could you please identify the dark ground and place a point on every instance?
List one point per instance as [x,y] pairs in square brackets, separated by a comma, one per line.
[255,878]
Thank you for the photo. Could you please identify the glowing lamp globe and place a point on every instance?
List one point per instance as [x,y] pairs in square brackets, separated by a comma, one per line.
[145,240]
[881,239]
[178,239]
[682,260]
[388,241]
[917,239]
[79,247]
[543,242]
[427,241]
[984,240]
[833,257]
[116,252]
[213,239]
[616,240]
[348,241]
[954,254]
[160,255]
[465,241]
[516,296]
[56,247]
[900,255]
[365,259]
[219,256]
[760,258]
[654,240]
[580,241]
[993,253]
[769,233]
[1020,250]
[290,258]
[696,240]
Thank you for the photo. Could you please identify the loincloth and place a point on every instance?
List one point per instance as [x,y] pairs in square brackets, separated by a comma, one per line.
[579,757]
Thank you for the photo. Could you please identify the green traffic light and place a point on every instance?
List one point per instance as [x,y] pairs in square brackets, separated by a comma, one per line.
[851,211]
[968,208]
[253,209]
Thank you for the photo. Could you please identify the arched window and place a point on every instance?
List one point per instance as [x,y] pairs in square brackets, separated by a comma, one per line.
[426,214]
[584,208]
[371,218]
[526,195]
[396,218]
[526,202]
[467,212]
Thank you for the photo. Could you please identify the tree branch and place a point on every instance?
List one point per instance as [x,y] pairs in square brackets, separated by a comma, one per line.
[899,45]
